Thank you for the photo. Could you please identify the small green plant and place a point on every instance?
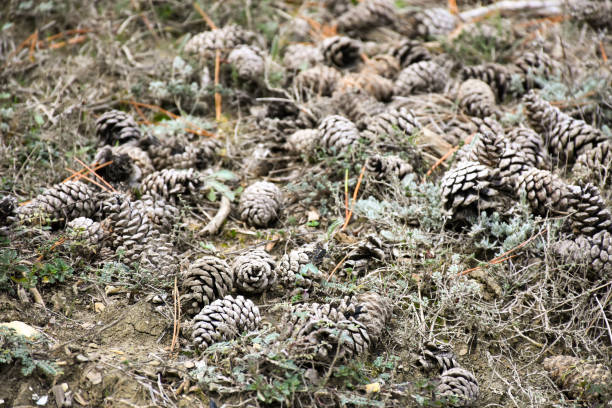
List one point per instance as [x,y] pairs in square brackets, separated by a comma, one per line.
[352,374]
[16,348]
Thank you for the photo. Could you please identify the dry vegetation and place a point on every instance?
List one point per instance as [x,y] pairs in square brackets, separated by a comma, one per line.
[486,285]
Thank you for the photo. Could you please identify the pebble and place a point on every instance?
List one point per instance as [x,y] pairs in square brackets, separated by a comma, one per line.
[189,364]
[81,358]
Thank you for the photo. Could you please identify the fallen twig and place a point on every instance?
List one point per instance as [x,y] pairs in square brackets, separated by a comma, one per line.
[217,221]
[543,8]
[350,214]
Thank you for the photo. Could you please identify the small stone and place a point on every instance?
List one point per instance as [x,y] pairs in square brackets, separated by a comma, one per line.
[81,358]
[22,329]
[94,377]
[99,307]
[189,364]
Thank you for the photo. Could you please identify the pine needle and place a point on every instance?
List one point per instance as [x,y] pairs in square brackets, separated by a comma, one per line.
[350,214]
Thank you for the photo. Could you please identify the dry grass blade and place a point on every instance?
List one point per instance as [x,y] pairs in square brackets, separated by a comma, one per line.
[79,174]
[106,183]
[350,214]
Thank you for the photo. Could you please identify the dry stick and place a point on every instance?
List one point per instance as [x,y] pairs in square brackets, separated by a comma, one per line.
[217,221]
[441,160]
[546,7]
[218,100]
[176,327]
[603,313]
[205,17]
[503,257]
[350,214]
[141,114]
[96,175]
[81,172]
[604,56]
[452,7]
[336,267]
[33,45]
[346,195]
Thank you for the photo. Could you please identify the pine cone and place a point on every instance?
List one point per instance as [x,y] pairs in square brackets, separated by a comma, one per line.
[357,105]
[469,184]
[410,52]
[224,319]
[512,164]
[207,279]
[594,253]
[487,149]
[338,134]
[580,379]
[597,14]
[366,253]
[379,87]
[386,167]
[159,257]
[571,138]
[545,192]
[303,141]
[421,77]
[437,356]
[390,122]
[588,211]
[458,384]
[341,51]
[368,14]
[541,115]
[292,269]
[299,57]
[8,206]
[456,131]
[431,22]
[177,154]
[318,80]
[384,65]
[86,230]
[122,169]
[532,146]
[595,164]
[226,38]
[260,204]
[60,204]
[163,215]
[117,127]
[255,272]
[170,183]
[497,76]
[373,311]
[248,62]
[139,157]
[532,64]
[476,98]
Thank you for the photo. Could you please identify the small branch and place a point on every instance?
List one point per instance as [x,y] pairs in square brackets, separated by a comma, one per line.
[215,224]
[177,315]
[544,8]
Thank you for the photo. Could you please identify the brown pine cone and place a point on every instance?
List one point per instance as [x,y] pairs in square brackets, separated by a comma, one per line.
[169,184]
[293,270]
[8,205]
[225,39]
[409,52]
[580,379]
[436,356]
[384,65]
[364,255]
[368,14]
[597,14]
[390,122]
[254,272]
[207,279]
[357,105]
[302,141]
[248,61]
[59,204]
[588,211]
[260,204]
[456,131]
[299,57]
[122,168]
[178,154]
[163,215]
[338,134]
[117,127]
[571,138]
[430,22]
[512,164]
[379,87]
[546,193]
[388,167]
[487,149]
[541,115]
[341,51]
[421,77]
[532,64]
[497,76]
[457,384]
[373,311]
[224,319]
[476,98]
[595,164]
[470,184]
[532,146]
[318,80]
[86,230]
[139,157]
[160,258]
[594,254]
